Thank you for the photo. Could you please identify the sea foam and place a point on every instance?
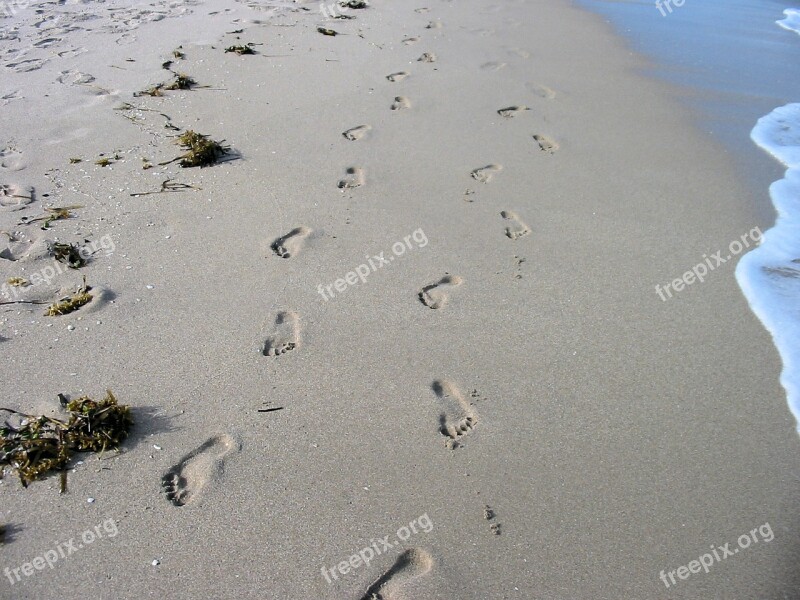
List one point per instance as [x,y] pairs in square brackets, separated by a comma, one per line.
[770,275]
[791,21]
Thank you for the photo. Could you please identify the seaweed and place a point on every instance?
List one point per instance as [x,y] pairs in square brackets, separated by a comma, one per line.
[37,445]
[154,91]
[75,160]
[168,186]
[178,54]
[353,4]
[18,282]
[69,254]
[202,151]
[240,50]
[181,82]
[70,303]
[55,213]
[325,31]
[105,161]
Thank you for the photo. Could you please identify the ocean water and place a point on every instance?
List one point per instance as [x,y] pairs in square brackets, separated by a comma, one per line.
[741,58]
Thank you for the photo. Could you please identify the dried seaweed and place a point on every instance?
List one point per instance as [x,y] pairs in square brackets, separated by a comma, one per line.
[240,50]
[18,282]
[75,160]
[353,4]
[55,213]
[168,186]
[178,54]
[202,151]
[69,254]
[38,445]
[181,82]
[325,31]
[70,303]
[103,162]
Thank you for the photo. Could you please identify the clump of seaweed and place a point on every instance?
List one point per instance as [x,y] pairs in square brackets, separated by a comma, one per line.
[178,54]
[75,160]
[353,4]
[326,31]
[181,82]
[37,445]
[69,254]
[70,303]
[240,50]
[201,150]
[18,282]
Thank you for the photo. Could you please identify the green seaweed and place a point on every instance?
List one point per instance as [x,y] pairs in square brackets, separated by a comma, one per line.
[240,50]
[38,445]
[326,31]
[201,150]
[181,82]
[69,254]
[71,303]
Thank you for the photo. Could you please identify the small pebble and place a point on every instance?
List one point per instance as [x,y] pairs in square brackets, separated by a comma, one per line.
[156,562]
[90,500]
[149,287]
[71,327]
[156,446]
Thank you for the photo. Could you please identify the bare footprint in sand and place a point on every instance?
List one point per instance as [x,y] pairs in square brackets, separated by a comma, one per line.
[290,244]
[11,159]
[14,196]
[356,133]
[541,90]
[546,143]
[183,482]
[515,228]
[399,76]
[401,103]
[434,25]
[434,295]
[411,564]
[427,57]
[457,418]
[485,174]
[285,335]
[410,40]
[511,111]
[493,66]
[354,177]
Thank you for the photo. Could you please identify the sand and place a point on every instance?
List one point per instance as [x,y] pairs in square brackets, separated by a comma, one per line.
[488,332]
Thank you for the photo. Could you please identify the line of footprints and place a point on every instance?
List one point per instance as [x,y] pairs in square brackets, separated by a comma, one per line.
[185,481]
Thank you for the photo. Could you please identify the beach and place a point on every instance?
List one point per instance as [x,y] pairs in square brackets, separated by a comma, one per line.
[404,337]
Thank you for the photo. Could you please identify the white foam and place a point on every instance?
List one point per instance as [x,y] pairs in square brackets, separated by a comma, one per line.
[770,275]
[791,21]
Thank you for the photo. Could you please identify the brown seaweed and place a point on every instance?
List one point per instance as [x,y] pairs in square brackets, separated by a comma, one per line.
[240,50]
[69,254]
[70,303]
[35,446]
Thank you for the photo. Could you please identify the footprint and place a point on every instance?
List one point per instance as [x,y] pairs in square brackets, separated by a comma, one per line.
[74,78]
[485,174]
[434,25]
[11,159]
[427,57]
[401,103]
[411,564]
[285,335]
[519,52]
[183,482]
[541,90]
[546,144]
[493,66]
[410,40]
[356,133]
[511,111]
[457,418]
[15,197]
[354,178]
[289,245]
[516,228]
[433,296]
[399,76]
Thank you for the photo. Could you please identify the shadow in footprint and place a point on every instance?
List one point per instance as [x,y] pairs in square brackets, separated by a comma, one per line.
[285,335]
[354,177]
[357,133]
[401,103]
[515,228]
[434,295]
[457,418]
[411,564]
[546,143]
[183,482]
[485,174]
[290,244]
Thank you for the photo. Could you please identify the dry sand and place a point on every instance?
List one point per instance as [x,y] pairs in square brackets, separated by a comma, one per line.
[515,354]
